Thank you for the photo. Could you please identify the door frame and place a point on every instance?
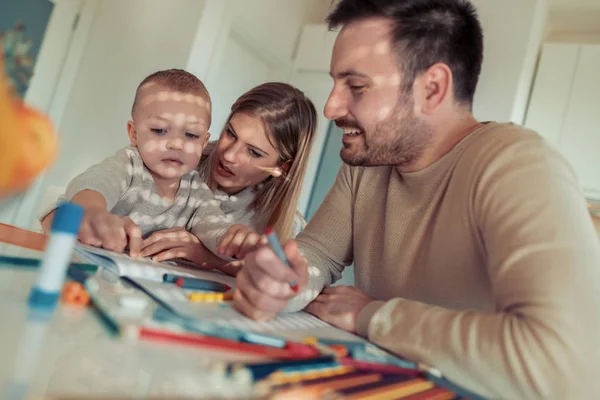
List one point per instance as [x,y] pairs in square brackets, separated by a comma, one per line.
[54,75]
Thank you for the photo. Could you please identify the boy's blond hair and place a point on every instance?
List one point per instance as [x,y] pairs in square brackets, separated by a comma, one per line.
[177,80]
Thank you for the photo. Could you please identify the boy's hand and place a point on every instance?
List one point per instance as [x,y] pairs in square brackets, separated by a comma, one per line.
[239,240]
[101,228]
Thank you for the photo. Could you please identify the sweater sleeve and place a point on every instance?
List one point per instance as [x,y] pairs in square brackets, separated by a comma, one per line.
[209,222]
[326,241]
[543,259]
[110,178]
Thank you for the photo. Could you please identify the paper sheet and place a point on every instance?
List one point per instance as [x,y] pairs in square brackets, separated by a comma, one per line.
[294,326]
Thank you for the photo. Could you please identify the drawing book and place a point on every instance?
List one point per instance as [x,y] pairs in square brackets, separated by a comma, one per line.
[126,266]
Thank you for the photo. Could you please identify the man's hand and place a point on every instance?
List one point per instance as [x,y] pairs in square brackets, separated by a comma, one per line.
[340,306]
[263,284]
[101,228]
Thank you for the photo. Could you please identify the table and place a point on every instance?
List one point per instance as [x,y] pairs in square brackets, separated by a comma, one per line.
[78,357]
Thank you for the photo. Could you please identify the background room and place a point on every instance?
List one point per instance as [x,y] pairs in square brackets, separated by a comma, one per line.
[540,70]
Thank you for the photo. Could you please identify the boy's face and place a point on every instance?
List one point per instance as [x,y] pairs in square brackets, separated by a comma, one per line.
[170,130]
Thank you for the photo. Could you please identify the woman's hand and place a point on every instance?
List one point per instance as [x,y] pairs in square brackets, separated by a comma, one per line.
[179,243]
[172,243]
[239,240]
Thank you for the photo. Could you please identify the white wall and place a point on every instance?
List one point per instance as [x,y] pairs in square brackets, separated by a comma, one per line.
[127,41]
[513,30]
[256,41]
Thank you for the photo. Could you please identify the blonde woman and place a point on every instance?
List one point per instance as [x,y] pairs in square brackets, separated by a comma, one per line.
[256,170]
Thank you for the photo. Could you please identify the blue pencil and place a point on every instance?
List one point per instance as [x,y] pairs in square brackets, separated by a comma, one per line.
[276,247]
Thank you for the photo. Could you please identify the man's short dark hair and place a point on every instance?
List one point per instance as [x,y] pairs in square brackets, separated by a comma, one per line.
[426,32]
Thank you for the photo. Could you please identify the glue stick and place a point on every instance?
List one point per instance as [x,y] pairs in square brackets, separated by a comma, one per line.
[57,256]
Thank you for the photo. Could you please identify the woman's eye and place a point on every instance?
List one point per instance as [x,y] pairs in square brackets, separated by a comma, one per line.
[159,131]
[255,153]
[357,88]
[191,135]
[230,133]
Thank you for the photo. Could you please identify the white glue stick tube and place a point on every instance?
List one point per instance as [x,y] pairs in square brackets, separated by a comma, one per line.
[57,256]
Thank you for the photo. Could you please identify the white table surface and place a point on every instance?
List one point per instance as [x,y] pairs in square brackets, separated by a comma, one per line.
[79,358]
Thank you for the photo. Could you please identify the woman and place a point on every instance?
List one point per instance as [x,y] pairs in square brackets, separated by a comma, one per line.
[256,169]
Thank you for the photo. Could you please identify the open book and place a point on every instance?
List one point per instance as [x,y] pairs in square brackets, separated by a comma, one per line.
[146,275]
[144,268]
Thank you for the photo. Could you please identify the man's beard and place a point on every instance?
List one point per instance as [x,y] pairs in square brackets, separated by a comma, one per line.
[399,140]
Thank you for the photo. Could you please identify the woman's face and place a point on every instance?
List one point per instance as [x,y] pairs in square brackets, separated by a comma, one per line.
[244,155]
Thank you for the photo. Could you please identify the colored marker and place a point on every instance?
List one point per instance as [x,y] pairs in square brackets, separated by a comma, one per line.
[201,284]
[57,256]
[208,297]
[276,247]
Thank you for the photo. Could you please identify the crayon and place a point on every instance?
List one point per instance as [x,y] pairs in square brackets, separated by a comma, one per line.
[276,247]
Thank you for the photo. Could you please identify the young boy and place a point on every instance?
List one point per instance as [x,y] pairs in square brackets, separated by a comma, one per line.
[153,184]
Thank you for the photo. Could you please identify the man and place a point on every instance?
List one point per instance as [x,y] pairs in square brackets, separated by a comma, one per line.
[472,246]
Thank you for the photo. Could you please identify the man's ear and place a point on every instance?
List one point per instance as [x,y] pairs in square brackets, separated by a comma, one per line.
[207,138]
[433,88]
[131,132]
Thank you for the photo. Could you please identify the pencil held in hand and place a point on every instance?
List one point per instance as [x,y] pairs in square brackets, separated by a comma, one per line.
[276,247]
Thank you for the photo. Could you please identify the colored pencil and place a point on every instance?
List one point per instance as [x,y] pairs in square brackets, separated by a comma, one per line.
[191,339]
[345,382]
[209,297]
[433,394]
[376,367]
[394,390]
[187,282]
[257,372]
[280,378]
[276,247]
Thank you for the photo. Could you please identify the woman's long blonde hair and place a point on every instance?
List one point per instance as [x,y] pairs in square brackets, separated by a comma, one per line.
[290,119]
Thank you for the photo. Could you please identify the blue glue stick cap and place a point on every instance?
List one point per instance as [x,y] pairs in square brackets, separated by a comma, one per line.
[67,218]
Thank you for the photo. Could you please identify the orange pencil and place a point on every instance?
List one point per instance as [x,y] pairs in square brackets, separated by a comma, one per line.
[393,391]
[345,382]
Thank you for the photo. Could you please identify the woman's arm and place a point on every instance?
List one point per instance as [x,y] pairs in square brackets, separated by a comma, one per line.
[174,243]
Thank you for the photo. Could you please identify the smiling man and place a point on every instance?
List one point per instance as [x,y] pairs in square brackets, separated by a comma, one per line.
[471,242]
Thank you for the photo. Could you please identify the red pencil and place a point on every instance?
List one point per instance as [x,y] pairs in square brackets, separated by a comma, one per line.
[192,339]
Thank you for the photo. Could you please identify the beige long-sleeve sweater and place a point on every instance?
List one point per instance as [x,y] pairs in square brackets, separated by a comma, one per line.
[486,265]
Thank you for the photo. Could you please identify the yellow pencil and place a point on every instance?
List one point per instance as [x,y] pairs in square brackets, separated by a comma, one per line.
[210,297]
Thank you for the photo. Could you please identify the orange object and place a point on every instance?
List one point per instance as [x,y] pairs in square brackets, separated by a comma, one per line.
[74,293]
[23,238]
[28,142]
[339,349]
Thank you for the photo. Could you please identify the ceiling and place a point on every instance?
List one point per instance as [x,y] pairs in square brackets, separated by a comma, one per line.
[575,16]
